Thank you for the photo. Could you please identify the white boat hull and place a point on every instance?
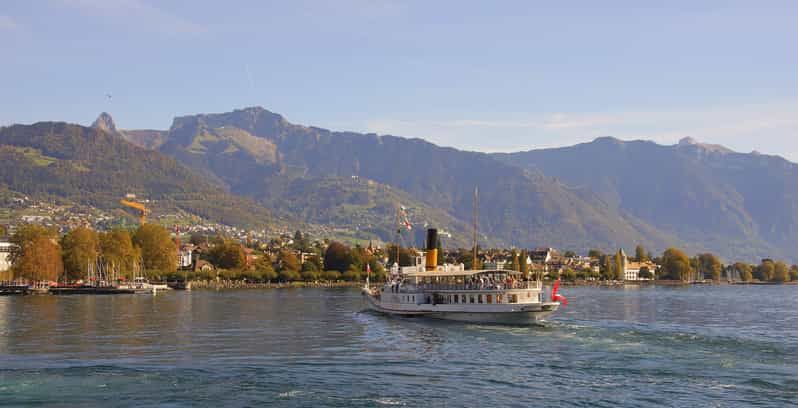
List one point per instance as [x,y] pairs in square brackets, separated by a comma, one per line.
[519,314]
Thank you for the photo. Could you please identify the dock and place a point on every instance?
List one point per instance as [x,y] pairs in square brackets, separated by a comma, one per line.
[89,290]
[8,290]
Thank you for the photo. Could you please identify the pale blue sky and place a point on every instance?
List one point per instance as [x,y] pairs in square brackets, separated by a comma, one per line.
[490,76]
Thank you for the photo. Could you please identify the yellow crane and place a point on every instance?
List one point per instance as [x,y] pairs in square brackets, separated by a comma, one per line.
[143,211]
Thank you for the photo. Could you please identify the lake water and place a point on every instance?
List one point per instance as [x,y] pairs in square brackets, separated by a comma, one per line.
[723,346]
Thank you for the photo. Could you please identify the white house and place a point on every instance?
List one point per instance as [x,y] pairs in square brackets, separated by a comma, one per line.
[632,270]
[5,258]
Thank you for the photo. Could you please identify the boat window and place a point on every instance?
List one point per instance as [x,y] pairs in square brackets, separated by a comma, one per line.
[513,298]
[479,298]
[490,298]
[471,299]
[498,298]
[529,294]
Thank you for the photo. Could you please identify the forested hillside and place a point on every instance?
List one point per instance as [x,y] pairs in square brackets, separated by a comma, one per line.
[96,167]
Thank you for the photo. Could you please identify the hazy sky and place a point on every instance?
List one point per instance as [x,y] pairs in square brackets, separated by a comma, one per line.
[487,75]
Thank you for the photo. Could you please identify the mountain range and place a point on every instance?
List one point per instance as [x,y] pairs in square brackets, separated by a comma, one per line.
[604,194]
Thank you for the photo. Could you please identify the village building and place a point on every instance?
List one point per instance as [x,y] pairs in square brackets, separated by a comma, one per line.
[5,260]
[185,256]
[632,271]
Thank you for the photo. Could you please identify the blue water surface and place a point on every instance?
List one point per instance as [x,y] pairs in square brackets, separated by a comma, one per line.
[725,346]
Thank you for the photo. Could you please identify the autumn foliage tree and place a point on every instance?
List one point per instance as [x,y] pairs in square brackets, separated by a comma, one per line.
[80,248]
[36,254]
[781,272]
[117,249]
[765,270]
[744,270]
[288,266]
[157,248]
[709,265]
[227,254]
[676,265]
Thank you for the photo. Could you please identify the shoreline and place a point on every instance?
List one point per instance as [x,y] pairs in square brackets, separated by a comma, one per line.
[228,284]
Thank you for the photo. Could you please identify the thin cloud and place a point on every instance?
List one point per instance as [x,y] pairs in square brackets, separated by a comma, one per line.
[743,128]
[135,14]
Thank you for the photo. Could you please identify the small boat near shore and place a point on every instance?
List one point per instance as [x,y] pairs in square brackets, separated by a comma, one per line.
[142,285]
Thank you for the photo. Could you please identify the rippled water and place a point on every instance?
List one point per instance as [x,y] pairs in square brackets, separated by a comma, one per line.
[699,346]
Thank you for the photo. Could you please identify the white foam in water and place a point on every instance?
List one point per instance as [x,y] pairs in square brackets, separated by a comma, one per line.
[388,401]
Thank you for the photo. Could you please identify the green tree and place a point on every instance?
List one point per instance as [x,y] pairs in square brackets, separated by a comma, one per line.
[595,253]
[157,249]
[352,275]
[301,242]
[606,271]
[227,254]
[794,272]
[709,266]
[781,272]
[331,275]
[359,258]
[405,256]
[515,264]
[117,248]
[197,239]
[640,254]
[80,248]
[676,265]
[310,271]
[569,254]
[569,274]
[377,271]
[645,273]
[338,257]
[264,269]
[523,265]
[476,263]
[441,255]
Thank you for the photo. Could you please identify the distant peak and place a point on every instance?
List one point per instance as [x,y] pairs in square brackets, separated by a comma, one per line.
[687,141]
[607,139]
[105,122]
[711,148]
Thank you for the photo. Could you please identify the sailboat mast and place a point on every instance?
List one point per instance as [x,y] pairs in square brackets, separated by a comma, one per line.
[398,231]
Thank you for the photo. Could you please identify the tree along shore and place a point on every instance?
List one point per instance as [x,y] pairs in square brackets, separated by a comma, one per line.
[41,254]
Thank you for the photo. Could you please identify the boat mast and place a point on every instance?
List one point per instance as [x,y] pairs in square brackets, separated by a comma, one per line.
[476,212]
[398,232]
